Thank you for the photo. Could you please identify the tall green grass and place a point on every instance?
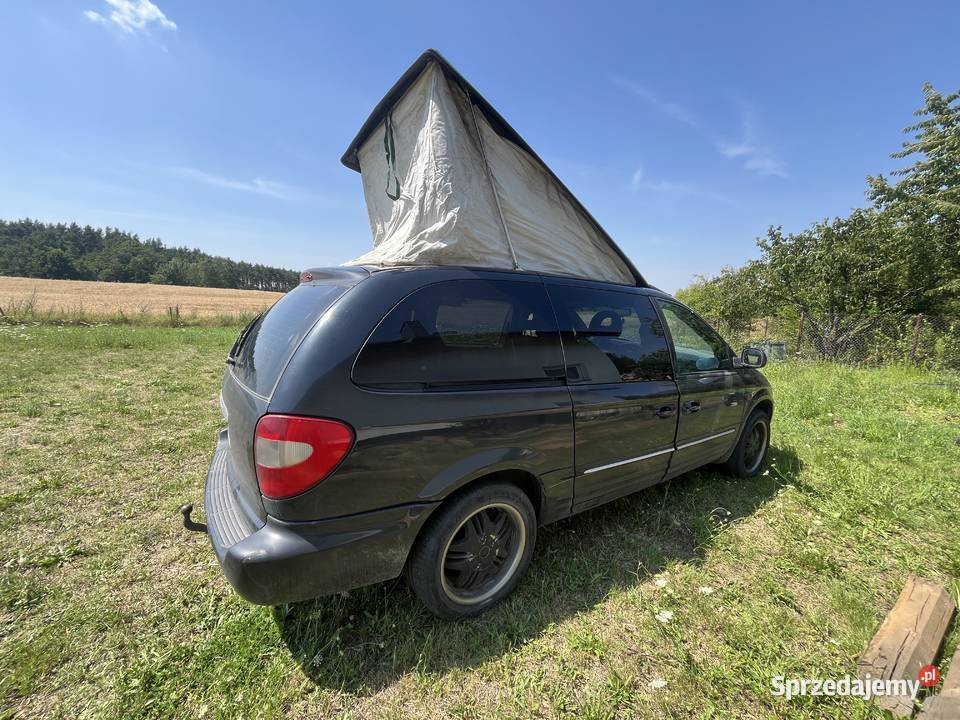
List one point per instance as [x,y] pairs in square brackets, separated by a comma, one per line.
[683,600]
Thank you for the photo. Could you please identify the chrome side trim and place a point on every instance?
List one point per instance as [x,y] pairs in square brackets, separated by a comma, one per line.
[627,462]
[706,439]
[658,452]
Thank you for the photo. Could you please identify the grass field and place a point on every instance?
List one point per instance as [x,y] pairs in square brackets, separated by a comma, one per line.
[28,299]
[681,601]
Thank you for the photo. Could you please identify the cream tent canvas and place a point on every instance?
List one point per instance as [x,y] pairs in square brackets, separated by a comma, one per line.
[448,182]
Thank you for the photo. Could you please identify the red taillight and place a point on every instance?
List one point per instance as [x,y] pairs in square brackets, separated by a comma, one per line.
[295,453]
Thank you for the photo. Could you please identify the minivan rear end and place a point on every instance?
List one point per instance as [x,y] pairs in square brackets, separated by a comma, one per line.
[240,528]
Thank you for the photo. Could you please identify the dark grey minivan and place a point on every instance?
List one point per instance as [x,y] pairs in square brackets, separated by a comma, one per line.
[427,420]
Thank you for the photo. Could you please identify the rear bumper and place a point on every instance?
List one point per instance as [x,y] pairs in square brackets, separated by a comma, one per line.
[280,562]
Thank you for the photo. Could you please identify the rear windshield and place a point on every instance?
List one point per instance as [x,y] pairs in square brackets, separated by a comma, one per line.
[264,347]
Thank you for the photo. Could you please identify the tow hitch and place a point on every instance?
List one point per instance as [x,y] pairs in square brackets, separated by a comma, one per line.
[188,522]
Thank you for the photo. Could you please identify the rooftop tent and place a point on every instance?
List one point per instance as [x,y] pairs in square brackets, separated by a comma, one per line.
[448,182]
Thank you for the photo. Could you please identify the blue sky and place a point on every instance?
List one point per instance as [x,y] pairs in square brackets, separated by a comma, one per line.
[686,129]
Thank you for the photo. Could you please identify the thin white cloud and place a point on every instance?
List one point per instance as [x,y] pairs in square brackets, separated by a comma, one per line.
[661,105]
[258,185]
[133,16]
[640,185]
[734,150]
[757,157]
[766,165]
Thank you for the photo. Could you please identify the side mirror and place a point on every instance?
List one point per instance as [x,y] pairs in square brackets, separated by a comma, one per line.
[753,357]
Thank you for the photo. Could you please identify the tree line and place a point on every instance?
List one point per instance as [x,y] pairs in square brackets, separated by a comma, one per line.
[69,252]
[900,255]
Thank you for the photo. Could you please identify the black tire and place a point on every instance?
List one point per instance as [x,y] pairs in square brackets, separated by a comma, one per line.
[749,458]
[473,551]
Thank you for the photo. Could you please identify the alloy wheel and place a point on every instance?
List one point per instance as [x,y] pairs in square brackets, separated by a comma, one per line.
[483,553]
[756,446]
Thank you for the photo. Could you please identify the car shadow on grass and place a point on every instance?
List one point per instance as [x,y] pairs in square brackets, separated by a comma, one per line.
[361,641]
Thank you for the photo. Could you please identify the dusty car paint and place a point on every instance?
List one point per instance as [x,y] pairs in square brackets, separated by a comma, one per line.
[575,445]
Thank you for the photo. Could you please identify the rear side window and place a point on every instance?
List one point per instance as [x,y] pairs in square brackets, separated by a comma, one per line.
[464,333]
[262,350]
[610,336]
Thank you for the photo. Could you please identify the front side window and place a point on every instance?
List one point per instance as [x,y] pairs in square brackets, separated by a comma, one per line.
[610,336]
[464,333]
[696,346]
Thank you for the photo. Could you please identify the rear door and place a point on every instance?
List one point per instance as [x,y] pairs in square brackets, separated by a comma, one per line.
[255,363]
[621,381]
[711,391]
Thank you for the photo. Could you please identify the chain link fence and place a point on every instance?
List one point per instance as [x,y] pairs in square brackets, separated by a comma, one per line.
[931,341]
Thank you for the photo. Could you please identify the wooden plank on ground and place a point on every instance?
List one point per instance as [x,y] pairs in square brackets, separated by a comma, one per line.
[946,705]
[909,638]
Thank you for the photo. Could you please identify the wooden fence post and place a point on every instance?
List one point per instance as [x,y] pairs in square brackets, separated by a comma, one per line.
[799,334]
[917,325]
[909,639]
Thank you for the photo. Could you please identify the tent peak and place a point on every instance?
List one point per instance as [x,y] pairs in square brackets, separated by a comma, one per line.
[394,94]
[500,131]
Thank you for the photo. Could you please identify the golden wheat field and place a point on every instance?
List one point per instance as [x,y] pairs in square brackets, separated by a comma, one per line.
[77,298]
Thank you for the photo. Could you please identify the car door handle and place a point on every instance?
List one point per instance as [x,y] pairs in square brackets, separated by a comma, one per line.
[692,406]
[666,411]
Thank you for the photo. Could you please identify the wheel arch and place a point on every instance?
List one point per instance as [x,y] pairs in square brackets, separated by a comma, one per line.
[529,483]
[526,481]
[761,401]
[765,404]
